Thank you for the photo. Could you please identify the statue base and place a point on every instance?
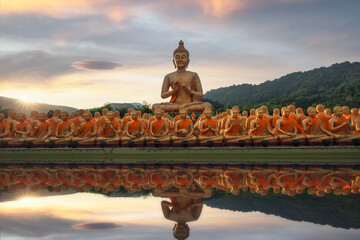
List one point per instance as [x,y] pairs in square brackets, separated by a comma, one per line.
[198,107]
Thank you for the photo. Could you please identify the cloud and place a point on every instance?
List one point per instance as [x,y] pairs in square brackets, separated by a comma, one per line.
[96,226]
[95,65]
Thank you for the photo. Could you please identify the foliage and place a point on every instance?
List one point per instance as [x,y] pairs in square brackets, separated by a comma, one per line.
[338,84]
[99,109]
[337,211]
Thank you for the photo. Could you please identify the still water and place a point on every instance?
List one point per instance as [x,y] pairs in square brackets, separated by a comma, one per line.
[204,201]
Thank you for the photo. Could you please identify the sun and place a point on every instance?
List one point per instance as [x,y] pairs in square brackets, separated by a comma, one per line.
[24,99]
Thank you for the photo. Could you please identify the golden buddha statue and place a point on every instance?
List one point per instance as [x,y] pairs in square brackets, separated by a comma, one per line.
[134,130]
[260,128]
[65,130]
[314,129]
[234,130]
[42,130]
[86,131]
[286,127]
[5,130]
[22,130]
[186,90]
[184,129]
[158,129]
[110,130]
[340,127]
[209,131]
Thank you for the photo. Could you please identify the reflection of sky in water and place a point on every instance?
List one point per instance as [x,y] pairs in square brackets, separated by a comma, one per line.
[92,216]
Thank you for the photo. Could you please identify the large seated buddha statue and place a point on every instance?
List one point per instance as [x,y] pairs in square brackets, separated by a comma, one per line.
[184,87]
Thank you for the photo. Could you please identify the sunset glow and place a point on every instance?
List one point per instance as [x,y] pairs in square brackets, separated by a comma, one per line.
[84,53]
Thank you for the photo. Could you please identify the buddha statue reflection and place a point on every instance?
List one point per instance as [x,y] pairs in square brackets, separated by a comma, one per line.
[184,87]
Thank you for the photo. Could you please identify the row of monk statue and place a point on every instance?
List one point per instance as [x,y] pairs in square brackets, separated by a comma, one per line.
[232,128]
[198,180]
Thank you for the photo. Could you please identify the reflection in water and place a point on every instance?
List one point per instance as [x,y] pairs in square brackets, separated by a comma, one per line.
[187,186]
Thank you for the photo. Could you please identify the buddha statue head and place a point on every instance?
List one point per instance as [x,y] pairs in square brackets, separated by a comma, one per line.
[259,112]
[276,111]
[183,113]
[42,117]
[338,111]
[235,111]
[87,116]
[285,111]
[181,56]
[311,112]
[2,117]
[64,116]
[158,113]
[110,115]
[181,231]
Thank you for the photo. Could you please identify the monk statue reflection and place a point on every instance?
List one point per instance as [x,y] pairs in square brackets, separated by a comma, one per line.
[184,206]
[184,87]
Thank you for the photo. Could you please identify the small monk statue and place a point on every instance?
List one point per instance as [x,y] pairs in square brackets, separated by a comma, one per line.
[111,130]
[5,130]
[42,131]
[186,90]
[260,128]
[87,131]
[340,127]
[250,118]
[323,116]
[209,131]
[11,119]
[65,130]
[55,120]
[235,127]
[222,122]
[22,130]
[134,130]
[159,129]
[276,116]
[286,127]
[184,129]
[314,129]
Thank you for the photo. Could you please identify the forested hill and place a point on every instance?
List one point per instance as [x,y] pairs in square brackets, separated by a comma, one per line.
[338,84]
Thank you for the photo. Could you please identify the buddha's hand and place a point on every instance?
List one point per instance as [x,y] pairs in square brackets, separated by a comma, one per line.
[176,87]
[187,89]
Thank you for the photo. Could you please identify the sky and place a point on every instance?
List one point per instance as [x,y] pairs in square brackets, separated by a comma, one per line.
[84,53]
[86,216]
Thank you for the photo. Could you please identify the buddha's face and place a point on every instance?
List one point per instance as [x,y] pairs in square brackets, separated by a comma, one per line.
[181,231]
[96,114]
[104,111]
[42,117]
[110,115]
[286,112]
[158,114]
[86,116]
[208,113]
[259,113]
[11,114]
[312,113]
[2,117]
[235,112]
[133,115]
[20,117]
[183,114]
[181,60]
[339,112]
[64,116]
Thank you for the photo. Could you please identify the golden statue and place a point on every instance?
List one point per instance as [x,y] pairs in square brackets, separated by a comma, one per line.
[42,130]
[340,126]
[260,128]
[235,127]
[286,127]
[134,130]
[184,129]
[110,130]
[209,130]
[159,129]
[186,90]
[65,130]
[86,131]
[5,130]
[22,130]
[314,129]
